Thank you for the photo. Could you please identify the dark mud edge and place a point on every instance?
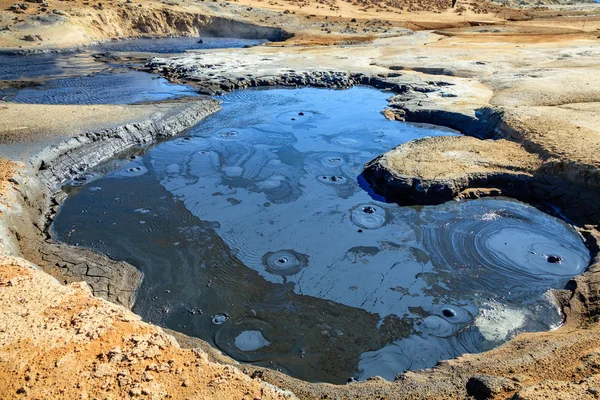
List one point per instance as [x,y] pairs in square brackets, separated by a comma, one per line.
[40,198]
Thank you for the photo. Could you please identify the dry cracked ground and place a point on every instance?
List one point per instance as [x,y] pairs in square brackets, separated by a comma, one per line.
[522,84]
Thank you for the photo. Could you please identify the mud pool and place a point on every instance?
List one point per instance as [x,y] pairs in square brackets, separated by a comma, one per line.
[176,44]
[256,233]
[78,78]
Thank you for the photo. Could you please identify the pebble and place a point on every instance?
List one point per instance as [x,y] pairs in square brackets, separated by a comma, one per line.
[148,376]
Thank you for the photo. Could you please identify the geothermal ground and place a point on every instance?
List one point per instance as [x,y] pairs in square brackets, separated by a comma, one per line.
[520,84]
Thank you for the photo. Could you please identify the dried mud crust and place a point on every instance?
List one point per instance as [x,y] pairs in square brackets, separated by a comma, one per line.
[62,342]
[116,281]
[70,158]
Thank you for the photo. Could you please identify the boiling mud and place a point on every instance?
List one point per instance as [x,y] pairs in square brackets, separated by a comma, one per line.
[256,233]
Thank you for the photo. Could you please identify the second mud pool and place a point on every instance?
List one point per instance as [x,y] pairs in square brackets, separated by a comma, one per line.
[256,234]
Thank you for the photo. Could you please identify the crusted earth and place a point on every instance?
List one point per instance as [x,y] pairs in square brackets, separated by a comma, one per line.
[522,86]
[75,345]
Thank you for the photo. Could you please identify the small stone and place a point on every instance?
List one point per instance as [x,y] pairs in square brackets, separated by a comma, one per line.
[29,38]
[152,367]
[22,390]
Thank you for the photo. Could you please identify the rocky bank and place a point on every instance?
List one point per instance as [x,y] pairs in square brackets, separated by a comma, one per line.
[36,196]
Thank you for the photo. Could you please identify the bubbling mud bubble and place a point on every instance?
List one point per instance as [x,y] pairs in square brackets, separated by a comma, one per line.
[455,314]
[448,313]
[447,320]
[250,341]
[295,117]
[285,262]
[368,216]
[554,259]
[437,326]
[219,319]
[136,171]
[333,179]
[510,243]
[131,169]
[332,161]
[228,134]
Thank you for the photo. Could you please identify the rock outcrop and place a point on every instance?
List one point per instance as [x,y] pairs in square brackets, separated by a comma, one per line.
[69,159]
[436,170]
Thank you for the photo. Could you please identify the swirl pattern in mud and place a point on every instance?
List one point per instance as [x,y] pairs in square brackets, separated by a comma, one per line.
[242,223]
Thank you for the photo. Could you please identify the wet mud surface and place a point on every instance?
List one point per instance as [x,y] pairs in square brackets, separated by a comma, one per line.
[176,45]
[78,78]
[257,234]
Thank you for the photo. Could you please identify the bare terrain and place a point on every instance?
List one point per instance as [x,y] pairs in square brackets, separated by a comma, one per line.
[522,84]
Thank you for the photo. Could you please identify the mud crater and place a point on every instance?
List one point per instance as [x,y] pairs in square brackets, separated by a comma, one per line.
[321,281]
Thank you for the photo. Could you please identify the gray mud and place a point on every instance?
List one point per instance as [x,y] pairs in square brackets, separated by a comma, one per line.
[78,78]
[257,234]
